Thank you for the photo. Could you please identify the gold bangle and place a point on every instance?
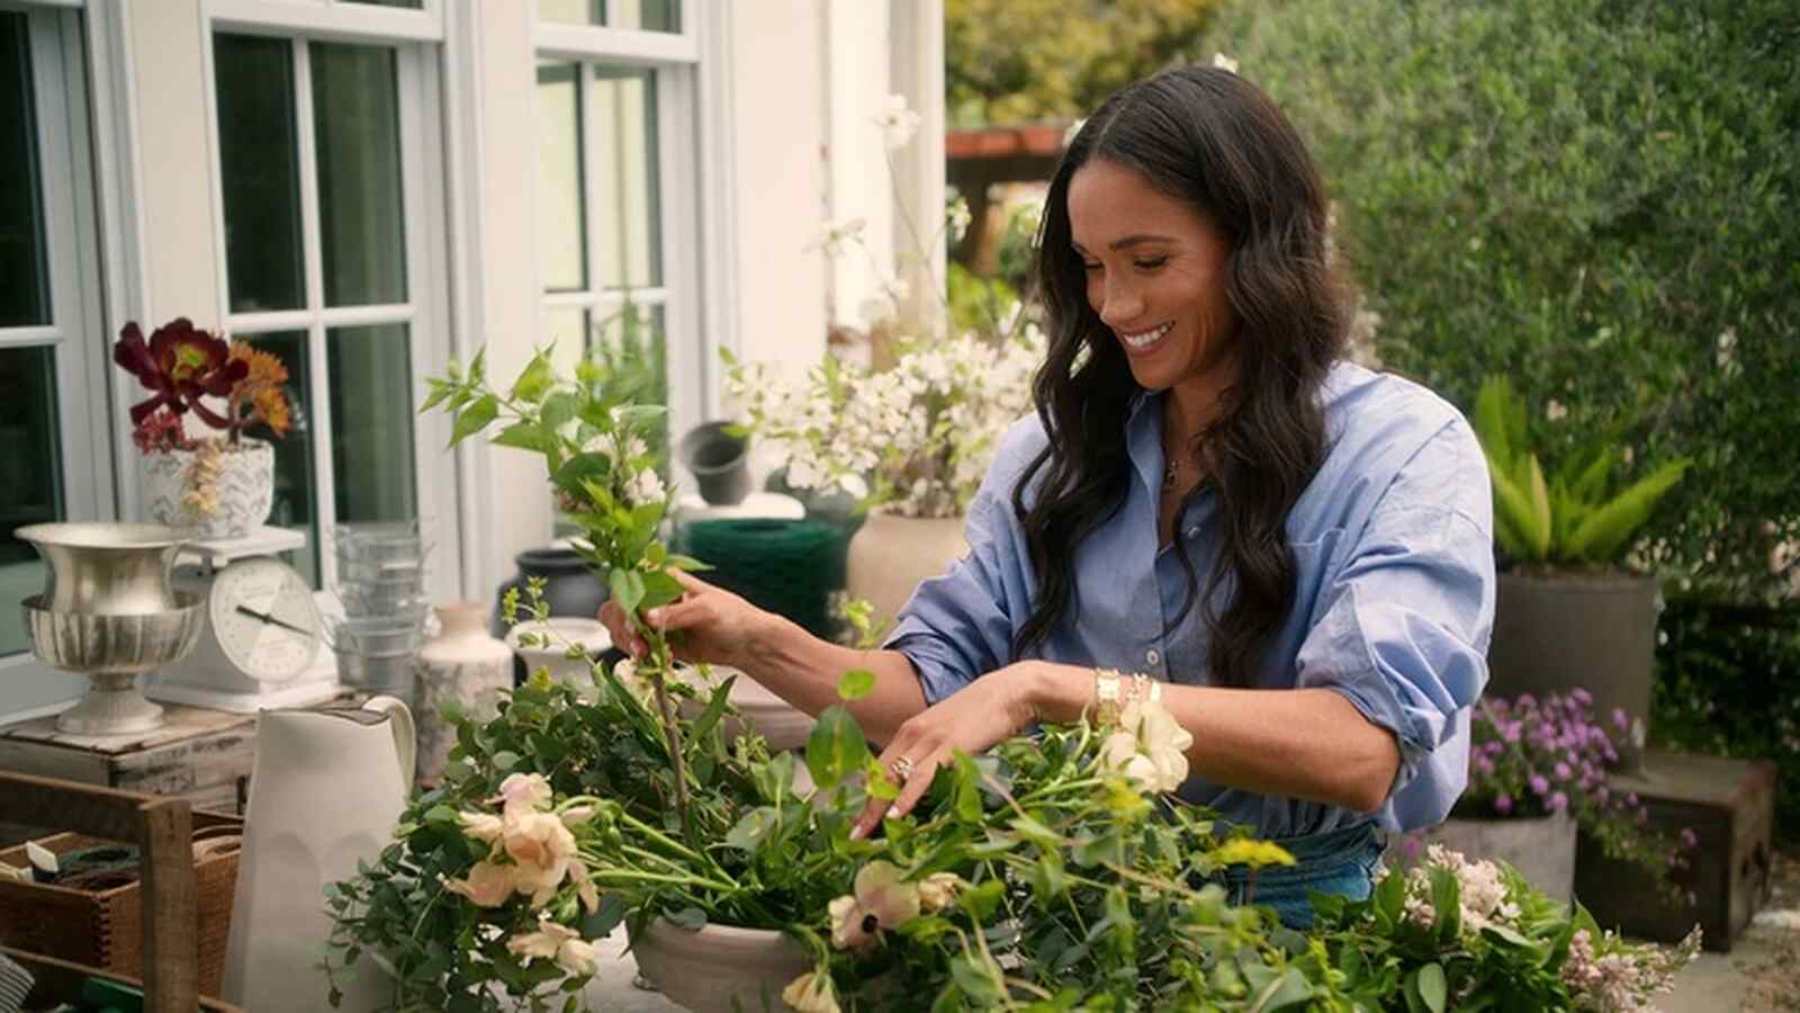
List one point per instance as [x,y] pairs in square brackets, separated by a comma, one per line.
[1106,696]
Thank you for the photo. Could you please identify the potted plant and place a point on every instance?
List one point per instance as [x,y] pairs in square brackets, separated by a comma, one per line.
[1569,614]
[223,486]
[1537,776]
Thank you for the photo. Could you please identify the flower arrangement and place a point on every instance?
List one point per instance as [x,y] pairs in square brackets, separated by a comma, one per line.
[1453,931]
[916,437]
[1531,757]
[230,387]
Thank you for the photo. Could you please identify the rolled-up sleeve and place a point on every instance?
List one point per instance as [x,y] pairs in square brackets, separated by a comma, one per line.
[1408,618]
[958,627]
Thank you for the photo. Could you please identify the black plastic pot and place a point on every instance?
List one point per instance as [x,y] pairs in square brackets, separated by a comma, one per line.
[719,462]
[570,588]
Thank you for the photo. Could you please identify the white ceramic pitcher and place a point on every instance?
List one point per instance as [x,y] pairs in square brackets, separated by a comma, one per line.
[327,789]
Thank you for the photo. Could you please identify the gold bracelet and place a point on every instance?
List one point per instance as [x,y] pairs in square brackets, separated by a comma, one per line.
[1106,696]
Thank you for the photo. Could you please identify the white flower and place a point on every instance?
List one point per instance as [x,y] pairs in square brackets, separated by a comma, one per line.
[836,235]
[897,122]
[1726,355]
[555,942]
[646,487]
[811,993]
[958,218]
[1149,748]
[1555,411]
[1223,62]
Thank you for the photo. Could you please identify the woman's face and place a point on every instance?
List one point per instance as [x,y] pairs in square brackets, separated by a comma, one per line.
[1155,274]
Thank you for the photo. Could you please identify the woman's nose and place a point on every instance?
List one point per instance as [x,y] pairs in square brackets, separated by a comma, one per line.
[1119,305]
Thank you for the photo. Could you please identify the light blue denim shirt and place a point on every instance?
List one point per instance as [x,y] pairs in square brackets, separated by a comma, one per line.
[1393,605]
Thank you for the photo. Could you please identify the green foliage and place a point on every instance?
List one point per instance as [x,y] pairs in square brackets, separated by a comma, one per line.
[1015,61]
[1573,518]
[1594,198]
[1728,683]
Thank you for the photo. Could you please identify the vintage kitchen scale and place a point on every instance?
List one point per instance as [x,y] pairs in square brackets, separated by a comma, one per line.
[263,643]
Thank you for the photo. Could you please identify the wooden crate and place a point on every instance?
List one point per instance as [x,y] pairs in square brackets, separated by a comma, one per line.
[1729,805]
[103,928]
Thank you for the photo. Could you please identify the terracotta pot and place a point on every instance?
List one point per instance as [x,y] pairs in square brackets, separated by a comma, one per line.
[720,968]
[1541,848]
[891,555]
[242,493]
[463,663]
[1556,632]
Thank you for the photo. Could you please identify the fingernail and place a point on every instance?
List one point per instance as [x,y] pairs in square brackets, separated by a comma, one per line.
[857,832]
[655,616]
[893,812]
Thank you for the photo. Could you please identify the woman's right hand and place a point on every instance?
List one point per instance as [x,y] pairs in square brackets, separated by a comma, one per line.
[710,624]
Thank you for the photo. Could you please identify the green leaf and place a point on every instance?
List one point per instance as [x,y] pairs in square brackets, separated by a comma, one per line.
[715,709]
[505,759]
[474,418]
[627,589]
[856,684]
[1604,534]
[688,564]
[690,918]
[558,410]
[753,829]
[1515,518]
[1540,506]
[978,982]
[983,899]
[439,391]
[525,436]
[966,789]
[1433,989]
[601,923]
[1491,405]
[655,555]
[836,748]
[535,381]
[1446,903]
[1290,989]
[659,588]
[441,815]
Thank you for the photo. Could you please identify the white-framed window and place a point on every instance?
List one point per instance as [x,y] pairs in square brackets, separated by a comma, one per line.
[55,459]
[329,187]
[618,190]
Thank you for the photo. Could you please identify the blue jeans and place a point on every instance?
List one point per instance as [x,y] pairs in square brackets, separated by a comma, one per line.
[1341,862]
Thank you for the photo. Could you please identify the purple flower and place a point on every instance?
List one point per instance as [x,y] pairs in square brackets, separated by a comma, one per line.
[1688,838]
[1563,773]
[1558,802]
[1581,696]
[1539,785]
[1484,765]
[1620,719]
[1510,732]
[1527,701]
[1631,799]
[1503,804]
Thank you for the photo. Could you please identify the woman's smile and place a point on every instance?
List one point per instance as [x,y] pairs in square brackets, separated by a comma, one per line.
[1144,342]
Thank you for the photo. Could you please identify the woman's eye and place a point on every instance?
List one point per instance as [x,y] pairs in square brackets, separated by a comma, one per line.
[1086,266]
[1151,264]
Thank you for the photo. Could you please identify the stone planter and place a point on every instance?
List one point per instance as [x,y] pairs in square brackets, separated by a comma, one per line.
[891,555]
[231,504]
[1556,632]
[720,968]
[1541,848]
[463,664]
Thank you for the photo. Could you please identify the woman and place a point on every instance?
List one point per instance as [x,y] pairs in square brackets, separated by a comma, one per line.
[1297,550]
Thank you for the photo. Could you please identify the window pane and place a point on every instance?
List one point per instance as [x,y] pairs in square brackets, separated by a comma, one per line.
[30,478]
[630,340]
[644,15]
[24,295]
[413,4]
[560,207]
[259,168]
[566,328]
[296,499]
[356,120]
[629,211]
[372,423]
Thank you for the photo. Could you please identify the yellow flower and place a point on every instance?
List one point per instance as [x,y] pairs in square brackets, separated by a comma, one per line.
[488,884]
[811,993]
[880,901]
[555,942]
[1252,852]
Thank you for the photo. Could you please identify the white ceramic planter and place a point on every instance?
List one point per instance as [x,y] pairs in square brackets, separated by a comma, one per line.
[891,554]
[719,969]
[1542,849]
[465,664]
[561,633]
[243,492]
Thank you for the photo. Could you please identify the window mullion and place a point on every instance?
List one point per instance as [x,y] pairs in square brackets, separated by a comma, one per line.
[324,506]
[592,225]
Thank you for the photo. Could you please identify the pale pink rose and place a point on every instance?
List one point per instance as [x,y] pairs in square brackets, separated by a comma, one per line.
[584,887]
[484,827]
[543,848]
[576,815]
[811,993]
[555,942]
[938,891]
[880,901]
[523,793]
[488,884]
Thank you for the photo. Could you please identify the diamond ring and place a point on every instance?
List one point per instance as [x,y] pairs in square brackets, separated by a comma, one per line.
[903,768]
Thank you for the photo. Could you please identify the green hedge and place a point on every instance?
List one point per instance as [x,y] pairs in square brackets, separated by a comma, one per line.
[1599,199]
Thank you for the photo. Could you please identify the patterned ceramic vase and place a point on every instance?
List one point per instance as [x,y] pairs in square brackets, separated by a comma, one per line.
[463,663]
[223,493]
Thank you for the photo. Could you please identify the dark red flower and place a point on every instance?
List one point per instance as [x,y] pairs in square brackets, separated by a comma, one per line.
[180,365]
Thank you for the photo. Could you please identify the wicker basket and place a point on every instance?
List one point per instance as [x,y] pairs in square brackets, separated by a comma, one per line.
[103,928]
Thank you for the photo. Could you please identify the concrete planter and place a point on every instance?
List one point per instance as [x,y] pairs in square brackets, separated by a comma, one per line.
[891,555]
[720,968]
[228,504]
[1556,632]
[1541,848]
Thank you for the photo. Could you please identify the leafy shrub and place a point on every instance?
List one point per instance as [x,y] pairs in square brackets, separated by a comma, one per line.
[1595,198]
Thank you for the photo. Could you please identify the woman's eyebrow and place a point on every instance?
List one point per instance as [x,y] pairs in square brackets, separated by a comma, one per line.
[1127,242]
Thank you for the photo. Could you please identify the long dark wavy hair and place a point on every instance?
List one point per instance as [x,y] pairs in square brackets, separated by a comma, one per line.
[1208,137]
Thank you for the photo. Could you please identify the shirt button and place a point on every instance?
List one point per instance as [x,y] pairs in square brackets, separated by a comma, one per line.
[1153,656]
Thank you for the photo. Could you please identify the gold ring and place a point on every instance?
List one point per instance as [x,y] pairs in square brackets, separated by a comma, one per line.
[903,768]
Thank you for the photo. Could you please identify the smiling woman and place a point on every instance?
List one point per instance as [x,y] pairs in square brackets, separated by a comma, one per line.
[1194,415]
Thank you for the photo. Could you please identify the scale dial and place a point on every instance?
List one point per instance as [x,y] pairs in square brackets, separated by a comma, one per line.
[264,619]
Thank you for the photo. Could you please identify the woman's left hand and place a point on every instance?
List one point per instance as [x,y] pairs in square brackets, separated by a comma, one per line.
[987,711]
